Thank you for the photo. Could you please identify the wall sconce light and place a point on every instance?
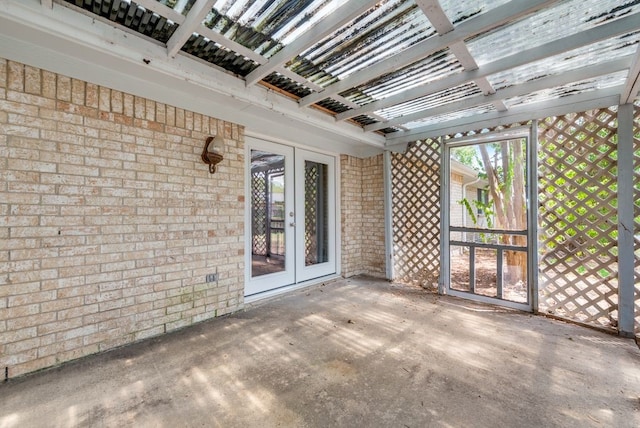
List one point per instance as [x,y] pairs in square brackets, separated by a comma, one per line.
[210,155]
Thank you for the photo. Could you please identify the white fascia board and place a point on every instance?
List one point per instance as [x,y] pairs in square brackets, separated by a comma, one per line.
[571,104]
[556,47]
[523,89]
[486,21]
[73,44]
[345,13]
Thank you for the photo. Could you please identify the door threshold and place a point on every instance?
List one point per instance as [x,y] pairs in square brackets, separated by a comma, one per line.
[260,297]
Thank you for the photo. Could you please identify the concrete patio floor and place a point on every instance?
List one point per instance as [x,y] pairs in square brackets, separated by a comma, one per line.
[353,353]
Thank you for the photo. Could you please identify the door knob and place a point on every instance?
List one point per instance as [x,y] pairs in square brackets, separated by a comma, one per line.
[292,224]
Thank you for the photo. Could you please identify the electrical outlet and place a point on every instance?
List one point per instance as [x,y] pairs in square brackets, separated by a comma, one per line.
[212,277]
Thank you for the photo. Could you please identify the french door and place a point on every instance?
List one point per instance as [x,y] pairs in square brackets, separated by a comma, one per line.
[290,217]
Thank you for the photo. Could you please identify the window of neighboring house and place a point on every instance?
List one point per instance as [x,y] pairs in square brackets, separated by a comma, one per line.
[483,198]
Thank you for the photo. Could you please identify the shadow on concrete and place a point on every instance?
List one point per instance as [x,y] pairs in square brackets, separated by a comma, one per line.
[359,352]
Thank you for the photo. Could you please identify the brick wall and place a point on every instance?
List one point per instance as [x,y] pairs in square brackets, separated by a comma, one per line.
[109,221]
[351,204]
[363,250]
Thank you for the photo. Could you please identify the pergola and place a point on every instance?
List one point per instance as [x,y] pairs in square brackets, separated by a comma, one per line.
[368,74]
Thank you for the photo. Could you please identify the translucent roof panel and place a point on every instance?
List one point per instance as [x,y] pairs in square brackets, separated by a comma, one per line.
[608,81]
[436,66]
[266,26]
[181,6]
[389,28]
[460,10]
[209,51]
[603,51]
[434,100]
[474,111]
[562,20]
[131,16]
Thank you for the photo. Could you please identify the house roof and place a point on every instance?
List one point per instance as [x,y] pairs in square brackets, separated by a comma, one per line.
[376,72]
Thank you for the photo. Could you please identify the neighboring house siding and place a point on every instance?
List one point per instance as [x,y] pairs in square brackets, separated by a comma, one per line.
[109,219]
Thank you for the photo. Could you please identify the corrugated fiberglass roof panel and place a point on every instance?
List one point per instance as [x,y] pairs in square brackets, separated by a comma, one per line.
[267,26]
[131,16]
[438,99]
[600,52]
[561,20]
[587,85]
[436,66]
[385,30]
[209,51]
[432,120]
[181,6]
[460,10]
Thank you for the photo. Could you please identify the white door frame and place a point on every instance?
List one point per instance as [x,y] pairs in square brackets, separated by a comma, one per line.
[530,133]
[303,272]
[296,274]
[266,282]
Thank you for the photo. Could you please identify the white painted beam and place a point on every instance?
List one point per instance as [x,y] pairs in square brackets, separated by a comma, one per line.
[602,32]
[436,15]
[48,4]
[574,103]
[632,85]
[523,89]
[194,19]
[498,16]
[345,13]
[441,22]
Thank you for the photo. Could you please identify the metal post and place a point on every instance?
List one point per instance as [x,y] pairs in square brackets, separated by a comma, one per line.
[388,214]
[625,222]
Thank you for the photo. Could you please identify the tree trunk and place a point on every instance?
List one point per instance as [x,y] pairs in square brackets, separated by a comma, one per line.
[508,193]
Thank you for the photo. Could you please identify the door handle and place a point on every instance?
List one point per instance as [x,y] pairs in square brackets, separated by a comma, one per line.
[292,224]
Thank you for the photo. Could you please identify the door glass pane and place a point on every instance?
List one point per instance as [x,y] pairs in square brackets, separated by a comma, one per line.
[267,213]
[316,228]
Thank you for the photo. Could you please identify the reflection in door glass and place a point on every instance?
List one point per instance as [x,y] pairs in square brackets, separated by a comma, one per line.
[316,228]
[267,213]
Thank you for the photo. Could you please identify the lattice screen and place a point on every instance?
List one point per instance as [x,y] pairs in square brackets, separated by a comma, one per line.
[416,214]
[259,212]
[636,198]
[310,213]
[577,184]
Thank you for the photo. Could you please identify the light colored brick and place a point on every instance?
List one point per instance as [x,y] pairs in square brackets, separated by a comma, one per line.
[49,87]
[109,226]
[63,92]
[3,73]
[104,99]
[91,96]
[15,76]
[78,93]
[117,102]
[32,80]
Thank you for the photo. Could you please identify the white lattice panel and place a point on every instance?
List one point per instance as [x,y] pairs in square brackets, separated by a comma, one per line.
[577,184]
[416,214]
